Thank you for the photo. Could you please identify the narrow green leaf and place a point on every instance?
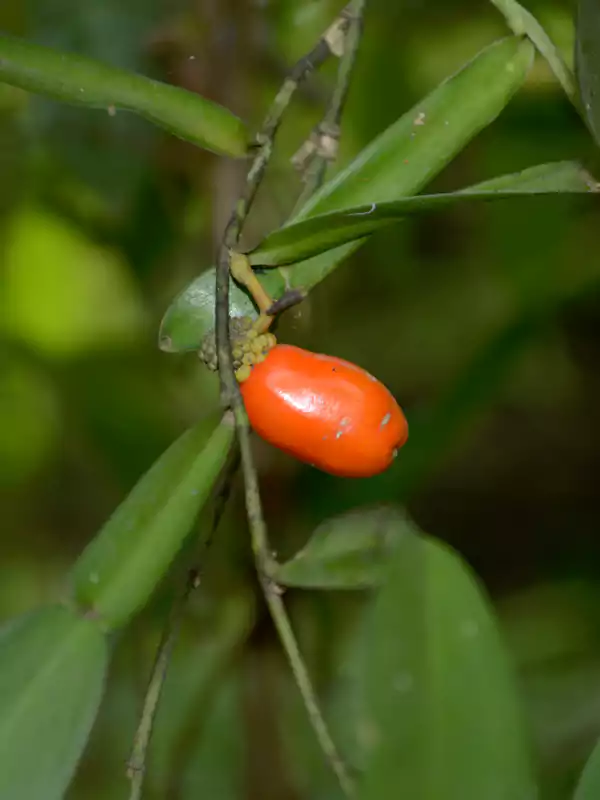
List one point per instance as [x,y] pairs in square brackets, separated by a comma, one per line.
[522,22]
[351,551]
[441,715]
[318,234]
[559,177]
[587,62]
[78,80]
[121,567]
[52,669]
[398,163]
[412,151]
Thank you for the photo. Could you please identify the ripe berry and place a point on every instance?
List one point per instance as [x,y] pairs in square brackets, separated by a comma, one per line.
[324,411]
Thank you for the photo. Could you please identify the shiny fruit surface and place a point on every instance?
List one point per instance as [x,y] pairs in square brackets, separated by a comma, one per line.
[324,411]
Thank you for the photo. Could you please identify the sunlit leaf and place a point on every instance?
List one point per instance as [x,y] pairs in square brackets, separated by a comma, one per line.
[121,567]
[398,163]
[83,81]
[441,715]
[52,668]
[61,293]
[321,233]
[348,552]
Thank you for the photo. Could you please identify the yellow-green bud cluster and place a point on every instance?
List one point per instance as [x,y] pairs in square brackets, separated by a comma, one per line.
[248,346]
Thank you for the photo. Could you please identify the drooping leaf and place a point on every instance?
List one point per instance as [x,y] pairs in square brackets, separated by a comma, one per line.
[441,718]
[318,234]
[83,81]
[398,163]
[351,551]
[52,669]
[121,567]
[587,62]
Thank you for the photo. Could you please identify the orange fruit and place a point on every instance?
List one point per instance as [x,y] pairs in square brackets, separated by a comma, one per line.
[324,411]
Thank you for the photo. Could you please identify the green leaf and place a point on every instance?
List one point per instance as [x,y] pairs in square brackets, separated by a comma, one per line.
[83,81]
[398,163]
[186,741]
[217,757]
[192,314]
[522,22]
[351,551]
[414,149]
[121,567]
[587,62]
[559,177]
[441,718]
[52,669]
[321,233]
[588,787]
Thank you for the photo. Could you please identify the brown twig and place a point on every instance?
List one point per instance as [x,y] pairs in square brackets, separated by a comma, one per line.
[322,147]
[330,43]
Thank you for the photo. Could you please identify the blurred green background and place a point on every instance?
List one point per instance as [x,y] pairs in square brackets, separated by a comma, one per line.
[485,323]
